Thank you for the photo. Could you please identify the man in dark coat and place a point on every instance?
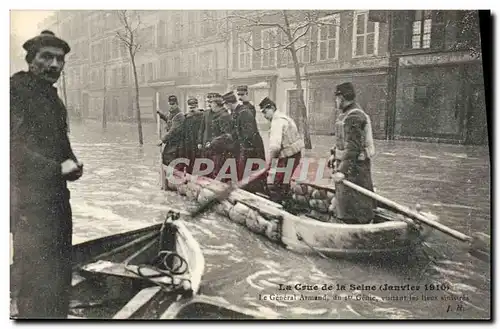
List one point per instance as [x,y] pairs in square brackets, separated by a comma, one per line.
[190,132]
[242,92]
[351,158]
[247,141]
[212,137]
[42,161]
[173,136]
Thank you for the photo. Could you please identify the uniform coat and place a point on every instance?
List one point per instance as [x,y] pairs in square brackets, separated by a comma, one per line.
[173,138]
[214,129]
[250,107]
[190,133]
[353,207]
[249,145]
[41,219]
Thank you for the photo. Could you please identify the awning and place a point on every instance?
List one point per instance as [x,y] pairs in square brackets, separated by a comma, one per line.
[211,85]
[259,85]
[161,83]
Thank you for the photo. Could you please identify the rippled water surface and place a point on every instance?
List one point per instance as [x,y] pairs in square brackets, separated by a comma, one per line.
[120,191]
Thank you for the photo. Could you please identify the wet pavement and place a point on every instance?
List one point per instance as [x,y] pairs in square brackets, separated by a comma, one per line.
[120,191]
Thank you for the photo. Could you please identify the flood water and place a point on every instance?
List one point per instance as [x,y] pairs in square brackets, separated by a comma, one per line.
[120,191]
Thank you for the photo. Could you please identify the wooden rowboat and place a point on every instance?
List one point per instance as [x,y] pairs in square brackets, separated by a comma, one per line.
[309,231]
[137,274]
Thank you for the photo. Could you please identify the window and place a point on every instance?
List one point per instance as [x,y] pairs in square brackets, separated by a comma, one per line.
[114,77]
[269,52]
[163,68]
[125,75]
[177,26]
[96,52]
[208,21]
[177,65]
[145,37]
[115,48]
[365,36]
[192,69]
[206,63]
[142,73]
[244,51]
[192,24]
[328,38]
[162,34]
[421,30]
[149,74]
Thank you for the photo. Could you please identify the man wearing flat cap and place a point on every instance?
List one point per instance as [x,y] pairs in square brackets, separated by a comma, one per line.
[192,124]
[285,150]
[42,161]
[247,139]
[213,138]
[242,92]
[351,158]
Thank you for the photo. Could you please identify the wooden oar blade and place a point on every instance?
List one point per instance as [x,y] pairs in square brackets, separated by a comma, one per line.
[481,246]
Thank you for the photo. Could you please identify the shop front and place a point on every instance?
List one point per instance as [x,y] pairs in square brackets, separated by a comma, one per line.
[371,95]
[441,102]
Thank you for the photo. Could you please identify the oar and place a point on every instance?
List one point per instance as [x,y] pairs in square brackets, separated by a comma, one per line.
[479,242]
[221,196]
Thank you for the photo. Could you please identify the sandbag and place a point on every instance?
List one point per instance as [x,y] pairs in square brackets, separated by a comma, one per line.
[239,213]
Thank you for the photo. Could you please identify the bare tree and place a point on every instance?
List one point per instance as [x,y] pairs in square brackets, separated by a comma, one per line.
[131,21]
[292,28]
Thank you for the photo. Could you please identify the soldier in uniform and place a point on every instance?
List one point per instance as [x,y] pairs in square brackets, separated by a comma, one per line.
[213,134]
[247,140]
[173,136]
[242,93]
[190,132]
[351,158]
[42,162]
[285,148]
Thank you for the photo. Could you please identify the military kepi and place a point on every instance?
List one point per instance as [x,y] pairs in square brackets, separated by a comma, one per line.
[242,88]
[229,98]
[192,101]
[172,98]
[46,39]
[345,89]
[266,102]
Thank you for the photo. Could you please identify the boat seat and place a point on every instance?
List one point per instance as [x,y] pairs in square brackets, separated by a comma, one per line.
[122,270]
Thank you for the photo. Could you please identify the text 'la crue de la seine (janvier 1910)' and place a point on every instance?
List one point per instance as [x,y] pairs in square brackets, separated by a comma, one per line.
[406,292]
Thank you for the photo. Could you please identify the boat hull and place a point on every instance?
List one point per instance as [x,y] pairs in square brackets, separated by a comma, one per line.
[386,236]
[106,284]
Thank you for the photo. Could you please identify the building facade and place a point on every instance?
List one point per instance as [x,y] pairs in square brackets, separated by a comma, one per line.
[438,87]
[408,72]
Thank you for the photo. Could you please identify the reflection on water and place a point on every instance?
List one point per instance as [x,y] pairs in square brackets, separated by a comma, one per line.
[120,191]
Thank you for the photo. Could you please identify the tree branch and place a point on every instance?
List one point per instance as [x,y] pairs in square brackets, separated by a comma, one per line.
[255,22]
[298,37]
[260,48]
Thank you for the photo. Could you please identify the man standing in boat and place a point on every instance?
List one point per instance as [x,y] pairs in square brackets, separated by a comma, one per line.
[248,144]
[190,132]
[242,93]
[351,158]
[216,123]
[285,150]
[173,136]
[42,162]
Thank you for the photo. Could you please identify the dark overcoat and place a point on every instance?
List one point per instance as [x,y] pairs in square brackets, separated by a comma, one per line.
[216,129]
[41,220]
[191,129]
[249,145]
